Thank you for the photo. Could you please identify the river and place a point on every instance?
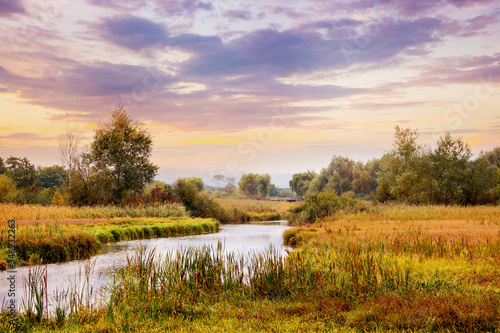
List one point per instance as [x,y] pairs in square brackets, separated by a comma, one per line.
[240,238]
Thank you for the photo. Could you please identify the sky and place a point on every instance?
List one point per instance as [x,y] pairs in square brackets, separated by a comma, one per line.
[235,86]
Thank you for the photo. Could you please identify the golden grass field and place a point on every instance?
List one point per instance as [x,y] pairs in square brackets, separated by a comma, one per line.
[53,212]
[403,212]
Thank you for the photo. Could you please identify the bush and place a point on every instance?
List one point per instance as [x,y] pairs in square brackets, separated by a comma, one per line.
[324,204]
[198,203]
[8,189]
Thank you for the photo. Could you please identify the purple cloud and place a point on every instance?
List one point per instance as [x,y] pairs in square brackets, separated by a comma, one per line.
[484,71]
[232,15]
[287,11]
[107,79]
[410,8]
[135,4]
[84,87]
[269,51]
[282,53]
[179,8]
[238,78]
[133,32]
[478,24]
[10,7]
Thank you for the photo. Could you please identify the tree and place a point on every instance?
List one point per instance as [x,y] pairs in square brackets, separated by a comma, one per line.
[493,156]
[69,149]
[340,174]
[53,176]
[7,189]
[274,191]
[197,182]
[248,184]
[263,184]
[497,188]
[198,203]
[222,181]
[300,182]
[120,156]
[480,181]
[88,187]
[450,170]
[219,180]
[404,174]
[318,183]
[21,171]
[230,189]
[3,168]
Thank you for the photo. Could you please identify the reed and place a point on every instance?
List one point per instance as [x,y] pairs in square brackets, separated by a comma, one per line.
[405,212]
[39,212]
[351,285]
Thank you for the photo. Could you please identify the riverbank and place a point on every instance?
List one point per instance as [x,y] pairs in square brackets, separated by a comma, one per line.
[48,242]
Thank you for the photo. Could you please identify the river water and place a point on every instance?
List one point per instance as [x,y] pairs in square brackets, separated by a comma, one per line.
[240,238]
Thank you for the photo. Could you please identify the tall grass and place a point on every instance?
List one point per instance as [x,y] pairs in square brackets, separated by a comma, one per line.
[56,242]
[225,210]
[350,286]
[404,212]
[39,212]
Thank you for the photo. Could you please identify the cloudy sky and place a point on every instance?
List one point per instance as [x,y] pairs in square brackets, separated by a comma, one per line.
[234,86]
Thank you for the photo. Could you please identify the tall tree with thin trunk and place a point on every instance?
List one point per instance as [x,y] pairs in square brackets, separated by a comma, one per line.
[69,149]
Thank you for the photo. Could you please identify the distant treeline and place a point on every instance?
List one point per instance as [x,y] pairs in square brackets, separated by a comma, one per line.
[412,173]
[22,182]
[409,173]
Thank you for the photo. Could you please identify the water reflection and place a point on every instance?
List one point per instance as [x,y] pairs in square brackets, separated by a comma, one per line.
[241,238]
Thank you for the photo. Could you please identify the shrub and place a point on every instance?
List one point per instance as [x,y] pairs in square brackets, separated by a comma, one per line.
[7,189]
[324,204]
[58,199]
[198,203]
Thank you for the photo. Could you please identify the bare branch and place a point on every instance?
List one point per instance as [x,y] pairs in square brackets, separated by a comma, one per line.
[69,148]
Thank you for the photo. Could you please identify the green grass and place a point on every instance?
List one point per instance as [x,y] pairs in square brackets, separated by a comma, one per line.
[54,242]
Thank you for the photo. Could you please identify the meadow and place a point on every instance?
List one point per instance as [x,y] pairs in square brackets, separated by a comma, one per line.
[387,268]
[54,212]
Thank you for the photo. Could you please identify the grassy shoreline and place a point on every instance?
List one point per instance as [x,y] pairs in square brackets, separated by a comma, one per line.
[55,241]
